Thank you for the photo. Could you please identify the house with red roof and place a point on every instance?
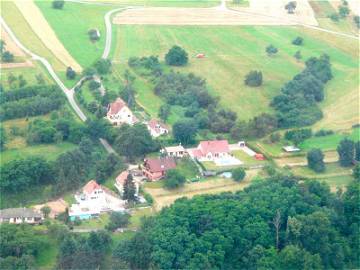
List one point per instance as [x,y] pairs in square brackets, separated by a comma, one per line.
[155,168]
[119,113]
[157,128]
[210,150]
[120,183]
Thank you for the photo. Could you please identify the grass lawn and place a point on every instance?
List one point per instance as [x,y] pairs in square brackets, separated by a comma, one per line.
[232,51]
[187,168]
[248,160]
[164,3]
[95,223]
[71,25]
[329,142]
[47,151]
[28,73]
[24,33]
[338,181]
[163,197]
[137,215]
[332,169]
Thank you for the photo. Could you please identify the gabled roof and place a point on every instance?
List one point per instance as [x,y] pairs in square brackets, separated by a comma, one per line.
[155,124]
[178,148]
[116,106]
[120,179]
[19,212]
[220,146]
[91,186]
[160,164]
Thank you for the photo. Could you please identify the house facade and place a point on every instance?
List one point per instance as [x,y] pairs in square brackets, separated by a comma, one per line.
[210,150]
[94,199]
[155,168]
[20,215]
[157,128]
[175,151]
[119,113]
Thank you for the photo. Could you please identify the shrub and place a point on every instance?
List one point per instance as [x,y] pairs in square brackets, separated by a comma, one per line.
[298,41]
[176,56]
[254,78]
[238,174]
[118,220]
[323,132]
[58,4]
[174,179]
[103,66]
[93,85]
[7,57]
[70,73]
[315,159]
[94,34]
[271,50]
[298,135]
[334,17]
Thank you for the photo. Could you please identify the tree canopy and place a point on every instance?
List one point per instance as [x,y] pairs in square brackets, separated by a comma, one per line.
[176,56]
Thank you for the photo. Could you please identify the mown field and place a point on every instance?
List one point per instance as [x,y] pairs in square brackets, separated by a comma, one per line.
[71,25]
[231,52]
[25,34]
[163,3]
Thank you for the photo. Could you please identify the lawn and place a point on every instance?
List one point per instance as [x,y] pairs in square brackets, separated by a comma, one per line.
[187,168]
[163,197]
[24,33]
[47,151]
[46,259]
[71,25]
[137,215]
[248,160]
[332,170]
[164,3]
[330,142]
[231,52]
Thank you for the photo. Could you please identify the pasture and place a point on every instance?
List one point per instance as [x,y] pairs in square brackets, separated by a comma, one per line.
[71,25]
[231,52]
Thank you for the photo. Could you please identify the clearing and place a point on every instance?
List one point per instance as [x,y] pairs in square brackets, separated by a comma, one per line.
[40,26]
[231,52]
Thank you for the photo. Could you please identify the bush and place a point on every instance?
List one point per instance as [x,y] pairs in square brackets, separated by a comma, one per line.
[176,56]
[7,57]
[344,11]
[275,137]
[93,85]
[357,20]
[70,73]
[58,4]
[174,179]
[238,174]
[298,135]
[103,66]
[315,159]
[254,78]
[118,220]
[271,50]
[334,17]
[298,41]
[323,132]
[93,34]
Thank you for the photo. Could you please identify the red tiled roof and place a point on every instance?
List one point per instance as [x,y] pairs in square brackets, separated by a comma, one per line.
[221,146]
[160,164]
[91,186]
[117,106]
[155,124]
[120,179]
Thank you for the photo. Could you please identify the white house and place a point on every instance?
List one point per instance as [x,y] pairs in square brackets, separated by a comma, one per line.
[119,113]
[210,150]
[20,215]
[94,199]
[175,151]
[157,128]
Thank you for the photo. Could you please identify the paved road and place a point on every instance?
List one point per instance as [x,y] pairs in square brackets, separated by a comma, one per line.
[68,93]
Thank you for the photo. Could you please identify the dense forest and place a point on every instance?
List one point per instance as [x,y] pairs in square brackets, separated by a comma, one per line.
[279,223]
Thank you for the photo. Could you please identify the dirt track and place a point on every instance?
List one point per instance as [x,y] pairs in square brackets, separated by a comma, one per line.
[260,12]
[42,29]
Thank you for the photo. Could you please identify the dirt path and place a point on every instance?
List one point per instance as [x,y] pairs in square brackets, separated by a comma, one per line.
[42,29]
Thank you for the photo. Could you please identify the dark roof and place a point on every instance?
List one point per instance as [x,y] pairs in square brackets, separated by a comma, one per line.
[160,164]
[19,212]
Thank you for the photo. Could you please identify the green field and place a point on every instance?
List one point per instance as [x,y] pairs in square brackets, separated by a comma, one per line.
[329,142]
[24,33]
[71,25]
[231,52]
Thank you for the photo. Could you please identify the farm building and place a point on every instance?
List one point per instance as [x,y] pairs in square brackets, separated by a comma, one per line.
[20,215]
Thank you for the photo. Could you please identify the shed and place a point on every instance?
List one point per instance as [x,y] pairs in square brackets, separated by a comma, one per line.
[291,148]
[259,156]
[200,55]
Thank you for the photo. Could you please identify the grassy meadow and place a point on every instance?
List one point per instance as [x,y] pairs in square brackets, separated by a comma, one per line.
[71,25]
[231,52]
[163,3]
